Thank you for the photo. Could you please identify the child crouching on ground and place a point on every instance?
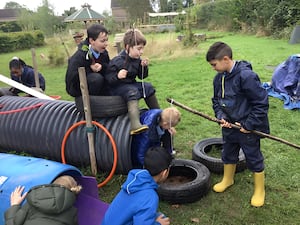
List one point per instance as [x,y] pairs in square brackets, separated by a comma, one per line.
[137,202]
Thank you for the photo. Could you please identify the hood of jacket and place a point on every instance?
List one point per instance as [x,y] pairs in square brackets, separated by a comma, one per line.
[240,66]
[51,198]
[138,180]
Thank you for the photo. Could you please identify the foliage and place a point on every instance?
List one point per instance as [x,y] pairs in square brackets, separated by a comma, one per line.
[286,13]
[26,21]
[13,41]
[23,40]
[12,5]
[266,17]
[39,38]
[163,6]
[178,5]
[136,9]
[45,20]
[11,26]
[110,24]
[179,22]
[69,12]
[56,56]
[216,15]
[6,43]
[170,5]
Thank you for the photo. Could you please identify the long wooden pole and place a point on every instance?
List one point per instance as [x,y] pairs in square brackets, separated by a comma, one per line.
[35,69]
[262,134]
[88,118]
[65,47]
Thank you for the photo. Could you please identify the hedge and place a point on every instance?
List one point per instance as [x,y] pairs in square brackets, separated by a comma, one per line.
[14,41]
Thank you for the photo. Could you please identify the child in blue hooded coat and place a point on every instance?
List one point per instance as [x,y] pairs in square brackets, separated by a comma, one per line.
[239,99]
[137,202]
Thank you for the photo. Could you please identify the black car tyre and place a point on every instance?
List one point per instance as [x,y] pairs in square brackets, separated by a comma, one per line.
[214,164]
[188,181]
[103,106]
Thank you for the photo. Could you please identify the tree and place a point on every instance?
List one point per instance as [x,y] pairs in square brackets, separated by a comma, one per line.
[136,8]
[69,12]
[155,4]
[163,5]
[170,5]
[26,20]
[45,19]
[13,5]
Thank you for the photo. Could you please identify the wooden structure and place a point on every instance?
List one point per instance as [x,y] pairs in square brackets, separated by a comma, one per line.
[9,15]
[118,12]
[85,14]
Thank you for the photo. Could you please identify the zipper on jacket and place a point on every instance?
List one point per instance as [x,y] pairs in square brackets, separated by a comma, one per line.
[223,85]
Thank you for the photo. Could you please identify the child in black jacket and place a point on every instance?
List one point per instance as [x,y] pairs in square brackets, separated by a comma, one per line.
[93,56]
[122,73]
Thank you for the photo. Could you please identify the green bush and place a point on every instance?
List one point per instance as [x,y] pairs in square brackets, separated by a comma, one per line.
[24,41]
[39,38]
[13,41]
[12,26]
[56,56]
[266,17]
[6,43]
[216,15]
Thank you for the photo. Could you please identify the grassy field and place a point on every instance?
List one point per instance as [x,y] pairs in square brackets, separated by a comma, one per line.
[184,75]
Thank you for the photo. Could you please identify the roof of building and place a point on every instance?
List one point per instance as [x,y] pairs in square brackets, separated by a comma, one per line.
[84,14]
[7,15]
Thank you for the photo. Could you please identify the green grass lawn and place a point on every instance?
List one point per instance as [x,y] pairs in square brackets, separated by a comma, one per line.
[183,74]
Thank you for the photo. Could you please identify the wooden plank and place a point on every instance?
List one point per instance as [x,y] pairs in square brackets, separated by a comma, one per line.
[24,88]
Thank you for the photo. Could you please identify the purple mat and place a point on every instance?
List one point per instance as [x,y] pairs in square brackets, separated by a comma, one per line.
[91,210]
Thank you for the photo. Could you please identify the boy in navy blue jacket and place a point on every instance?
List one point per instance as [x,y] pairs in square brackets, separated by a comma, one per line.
[239,99]
[137,202]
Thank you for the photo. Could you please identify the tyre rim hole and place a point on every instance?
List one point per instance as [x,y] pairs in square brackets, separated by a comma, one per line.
[213,150]
[180,175]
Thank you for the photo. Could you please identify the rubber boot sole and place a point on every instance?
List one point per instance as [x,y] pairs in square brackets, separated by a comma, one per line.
[139,130]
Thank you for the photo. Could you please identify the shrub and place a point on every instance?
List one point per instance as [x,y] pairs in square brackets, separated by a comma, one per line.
[6,43]
[39,38]
[13,41]
[56,56]
[24,40]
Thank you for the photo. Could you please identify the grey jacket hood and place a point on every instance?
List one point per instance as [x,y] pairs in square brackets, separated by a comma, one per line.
[51,199]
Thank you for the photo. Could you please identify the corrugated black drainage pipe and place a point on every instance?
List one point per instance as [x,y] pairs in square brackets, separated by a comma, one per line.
[39,131]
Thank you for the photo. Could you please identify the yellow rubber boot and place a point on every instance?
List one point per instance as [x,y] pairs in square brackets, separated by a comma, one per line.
[258,198]
[227,181]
